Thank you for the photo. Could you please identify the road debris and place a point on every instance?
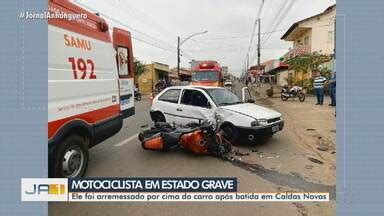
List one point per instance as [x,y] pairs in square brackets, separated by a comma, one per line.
[238,153]
[314,160]
[301,209]
[308,166]
[323,148]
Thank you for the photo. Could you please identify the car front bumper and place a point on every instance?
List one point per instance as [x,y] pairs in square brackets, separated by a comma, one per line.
[250,135]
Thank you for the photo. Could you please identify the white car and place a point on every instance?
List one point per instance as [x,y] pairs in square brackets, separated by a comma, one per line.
[245,121]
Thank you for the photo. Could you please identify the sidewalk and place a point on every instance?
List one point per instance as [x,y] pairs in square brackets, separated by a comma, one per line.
[314,126]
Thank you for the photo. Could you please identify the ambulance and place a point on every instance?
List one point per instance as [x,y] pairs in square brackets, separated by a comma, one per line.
[90,86]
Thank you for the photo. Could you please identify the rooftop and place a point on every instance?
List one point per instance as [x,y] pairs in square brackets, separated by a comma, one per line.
[296,24]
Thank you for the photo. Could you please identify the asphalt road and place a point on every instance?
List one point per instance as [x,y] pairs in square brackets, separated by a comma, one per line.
[122,156]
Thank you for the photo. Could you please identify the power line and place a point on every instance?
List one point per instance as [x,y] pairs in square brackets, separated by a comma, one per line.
[279,20]
[278,13]
[281,14]
[254,26]
[145,34]
[141,17]
[237,36]
[151,44]
[169,48]
[254,29]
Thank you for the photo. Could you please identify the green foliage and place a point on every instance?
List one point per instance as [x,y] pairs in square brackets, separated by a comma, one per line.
[139,67]
[308,85]
[308,62]
[289,80]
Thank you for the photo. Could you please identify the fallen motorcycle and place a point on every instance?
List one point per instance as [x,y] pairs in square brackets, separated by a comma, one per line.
[294,92]
[202,139]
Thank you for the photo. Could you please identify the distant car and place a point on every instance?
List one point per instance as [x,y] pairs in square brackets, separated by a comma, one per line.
[245,121]
[228,83]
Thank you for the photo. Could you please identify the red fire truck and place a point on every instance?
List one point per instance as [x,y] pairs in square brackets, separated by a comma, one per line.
[207,73]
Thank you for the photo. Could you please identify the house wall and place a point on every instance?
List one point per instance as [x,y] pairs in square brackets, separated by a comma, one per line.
[147,80]
[320,35]
[301,40]
[322,32]
[281,78]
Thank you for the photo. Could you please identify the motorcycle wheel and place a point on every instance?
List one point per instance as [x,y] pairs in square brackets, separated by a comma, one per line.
[284,98]
[301,97]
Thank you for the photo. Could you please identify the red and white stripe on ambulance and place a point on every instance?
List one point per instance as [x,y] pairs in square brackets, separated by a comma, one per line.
[83,80]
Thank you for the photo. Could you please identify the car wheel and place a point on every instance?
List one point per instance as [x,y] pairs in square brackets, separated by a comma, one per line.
[230,132]
[72,157]
[158,117]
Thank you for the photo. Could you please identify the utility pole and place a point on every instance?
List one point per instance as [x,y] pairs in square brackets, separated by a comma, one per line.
[179,43]
[258,46]
[247,66]
[178,57]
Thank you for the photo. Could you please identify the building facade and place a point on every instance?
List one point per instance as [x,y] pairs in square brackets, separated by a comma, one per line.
[153,74]
[313,34]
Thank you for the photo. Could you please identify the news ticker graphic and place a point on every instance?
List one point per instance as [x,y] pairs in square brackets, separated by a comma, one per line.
[151,190]
[44,189]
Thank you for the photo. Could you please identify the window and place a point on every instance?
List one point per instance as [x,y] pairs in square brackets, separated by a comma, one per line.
[306,40]
[194,98]
[223,97]
[205,76]
[172,95]
[122,61]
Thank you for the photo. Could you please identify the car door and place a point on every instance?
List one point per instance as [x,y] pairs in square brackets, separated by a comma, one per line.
[167,103]
[194,106]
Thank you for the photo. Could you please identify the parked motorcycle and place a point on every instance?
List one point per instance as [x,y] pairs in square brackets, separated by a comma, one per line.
[160,86]
[203,139]
[137,94]
[294,92]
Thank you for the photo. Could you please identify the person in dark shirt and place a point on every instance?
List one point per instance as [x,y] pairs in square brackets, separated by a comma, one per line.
[332,89]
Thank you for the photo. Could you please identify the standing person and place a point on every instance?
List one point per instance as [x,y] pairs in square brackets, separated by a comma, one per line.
[246,82]
[318,84]
[332,89]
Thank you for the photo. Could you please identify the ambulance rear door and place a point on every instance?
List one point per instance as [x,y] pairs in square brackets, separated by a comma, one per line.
[123,44]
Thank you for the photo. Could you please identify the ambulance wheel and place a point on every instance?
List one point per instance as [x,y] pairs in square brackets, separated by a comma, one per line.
[72,157]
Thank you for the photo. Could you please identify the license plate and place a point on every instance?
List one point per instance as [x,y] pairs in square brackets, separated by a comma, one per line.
[275,128]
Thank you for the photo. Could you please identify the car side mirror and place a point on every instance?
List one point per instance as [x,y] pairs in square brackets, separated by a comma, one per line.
[208,105]
[250,100]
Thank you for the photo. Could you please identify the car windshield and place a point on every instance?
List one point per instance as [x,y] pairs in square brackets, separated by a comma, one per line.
[223,97]
[204,76]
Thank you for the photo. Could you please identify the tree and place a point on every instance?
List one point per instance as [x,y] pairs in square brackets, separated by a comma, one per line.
[310,62]
[139,67]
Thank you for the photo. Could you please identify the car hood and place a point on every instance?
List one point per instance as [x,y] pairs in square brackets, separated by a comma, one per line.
[252,110]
